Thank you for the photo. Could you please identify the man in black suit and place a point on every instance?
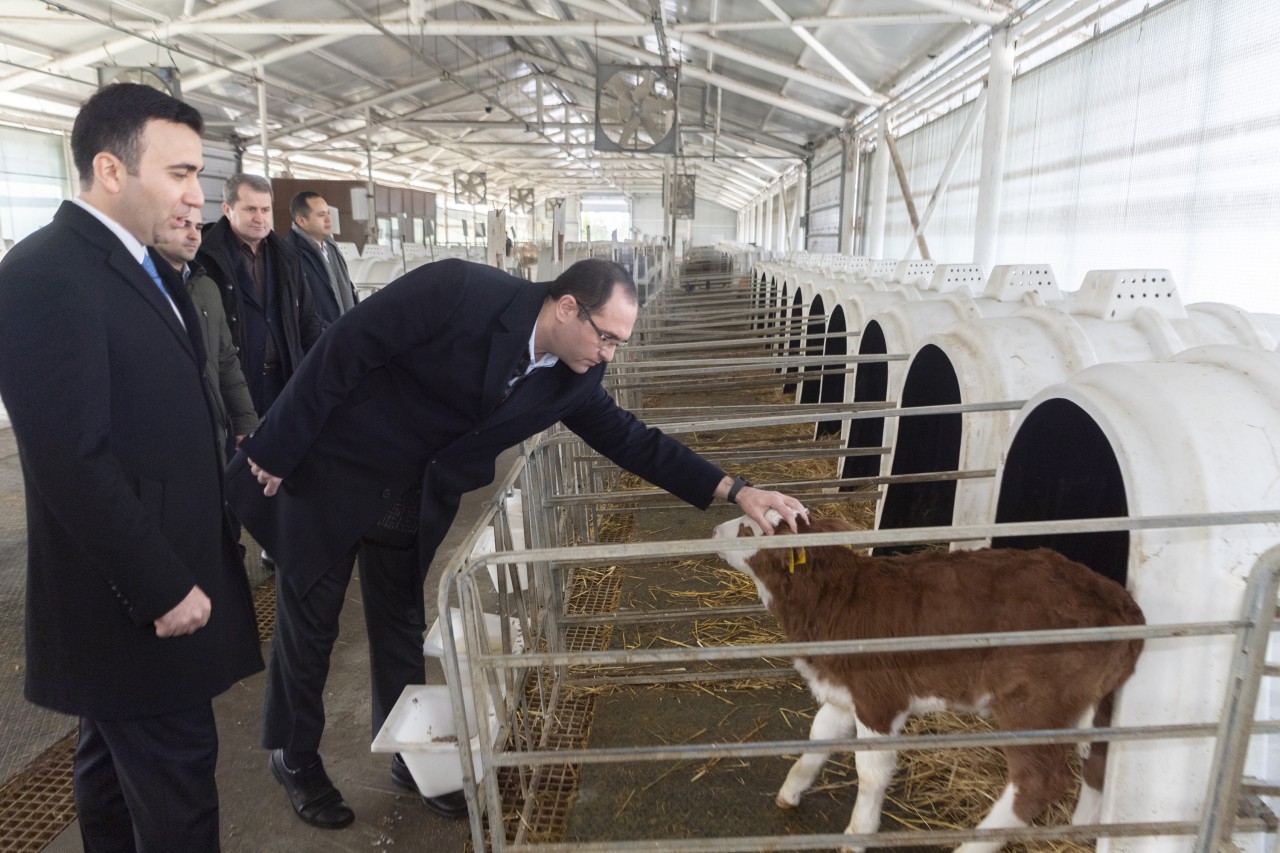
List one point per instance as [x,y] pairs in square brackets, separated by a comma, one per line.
[138,609]
[404,405]
[322,263]
[264,293]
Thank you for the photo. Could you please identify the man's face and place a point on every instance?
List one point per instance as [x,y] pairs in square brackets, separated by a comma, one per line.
[250,216]
[318,224]
[153,203]
[581,346]
[183,247]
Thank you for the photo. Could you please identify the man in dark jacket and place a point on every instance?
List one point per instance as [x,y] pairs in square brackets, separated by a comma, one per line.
[322,263]
[416,392]
[138,610]
[268,304]
[229,392]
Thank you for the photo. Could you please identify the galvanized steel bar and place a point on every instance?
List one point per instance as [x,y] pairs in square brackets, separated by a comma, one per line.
[1234,728]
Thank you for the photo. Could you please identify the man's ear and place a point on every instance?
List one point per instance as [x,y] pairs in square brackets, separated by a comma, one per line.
[566,307]
[108,171]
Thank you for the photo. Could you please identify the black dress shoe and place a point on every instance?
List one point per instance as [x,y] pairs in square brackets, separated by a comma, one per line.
[311,793]
[452,804]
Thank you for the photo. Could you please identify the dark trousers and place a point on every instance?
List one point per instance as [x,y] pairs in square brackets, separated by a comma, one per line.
[307,627]
[147,784]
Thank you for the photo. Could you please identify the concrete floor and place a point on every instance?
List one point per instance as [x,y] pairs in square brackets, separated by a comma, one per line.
[256,817]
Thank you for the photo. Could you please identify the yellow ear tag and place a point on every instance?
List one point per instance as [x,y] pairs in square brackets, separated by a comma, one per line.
[795,558]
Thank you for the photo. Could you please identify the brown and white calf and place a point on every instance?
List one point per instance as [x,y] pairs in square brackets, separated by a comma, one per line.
[834,593]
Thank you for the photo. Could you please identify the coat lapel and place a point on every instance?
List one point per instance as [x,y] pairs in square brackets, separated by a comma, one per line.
[506,344]
[138,279]
[129,271]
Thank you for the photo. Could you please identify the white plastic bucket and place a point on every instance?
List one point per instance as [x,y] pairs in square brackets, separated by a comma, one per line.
[433,646]
[421,728]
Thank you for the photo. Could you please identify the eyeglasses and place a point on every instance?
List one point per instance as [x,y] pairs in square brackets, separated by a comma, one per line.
[607,341]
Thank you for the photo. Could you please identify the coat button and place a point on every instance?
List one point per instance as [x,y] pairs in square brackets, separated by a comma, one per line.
[386,494]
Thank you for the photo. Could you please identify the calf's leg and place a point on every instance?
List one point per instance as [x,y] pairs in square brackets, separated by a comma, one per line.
[1038,775]
[829,723]
[875,772]
[1092,769]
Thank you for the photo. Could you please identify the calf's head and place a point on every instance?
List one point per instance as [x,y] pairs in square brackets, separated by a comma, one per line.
[764,562]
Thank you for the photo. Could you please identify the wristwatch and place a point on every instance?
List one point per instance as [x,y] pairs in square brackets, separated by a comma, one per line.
[738,483]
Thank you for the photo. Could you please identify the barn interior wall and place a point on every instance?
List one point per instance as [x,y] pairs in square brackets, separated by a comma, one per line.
[711,224]
[646,215]
[1150,146]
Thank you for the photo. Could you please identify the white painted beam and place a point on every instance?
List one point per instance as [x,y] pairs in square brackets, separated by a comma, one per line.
[731,85]
[968,11]
[894,19]
[944,181]
[995,138]
[818,48]
[879,190]
[860,94]
[112,50]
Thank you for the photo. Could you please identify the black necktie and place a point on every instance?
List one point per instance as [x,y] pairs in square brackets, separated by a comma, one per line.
[522,365]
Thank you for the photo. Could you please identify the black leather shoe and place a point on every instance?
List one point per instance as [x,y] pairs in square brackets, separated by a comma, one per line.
[452,804]
[268,564]
[400,775]
[311,793]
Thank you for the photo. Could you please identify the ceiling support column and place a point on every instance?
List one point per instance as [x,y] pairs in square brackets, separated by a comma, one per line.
[850,175]
[879,190]
[263,136]
[995,141]
[768,224]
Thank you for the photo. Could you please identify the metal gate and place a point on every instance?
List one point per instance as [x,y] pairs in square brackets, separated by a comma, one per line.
[577,600]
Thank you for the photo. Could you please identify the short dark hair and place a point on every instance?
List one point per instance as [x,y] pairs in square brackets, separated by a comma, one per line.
[301,204]
[114,119]
[231,189]
[591,283]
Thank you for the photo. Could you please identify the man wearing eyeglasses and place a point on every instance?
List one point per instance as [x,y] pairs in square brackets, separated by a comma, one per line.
[402,407]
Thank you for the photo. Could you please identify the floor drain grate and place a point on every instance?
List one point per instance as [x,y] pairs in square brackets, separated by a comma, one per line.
[37,803]
[264,608]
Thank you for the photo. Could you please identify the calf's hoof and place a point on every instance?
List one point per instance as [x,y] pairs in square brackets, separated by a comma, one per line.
[789,797]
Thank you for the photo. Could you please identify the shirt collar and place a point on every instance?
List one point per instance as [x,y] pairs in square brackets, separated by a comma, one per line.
[131,243]
[547,360]
[311,241]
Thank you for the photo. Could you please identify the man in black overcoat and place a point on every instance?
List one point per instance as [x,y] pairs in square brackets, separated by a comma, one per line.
[323,266]
[138,611]
[409,398]
[265,295]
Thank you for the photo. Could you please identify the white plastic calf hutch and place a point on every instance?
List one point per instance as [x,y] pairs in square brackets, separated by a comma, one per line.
[900,328]
[848,306]
[1192,434]
[1117,316]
